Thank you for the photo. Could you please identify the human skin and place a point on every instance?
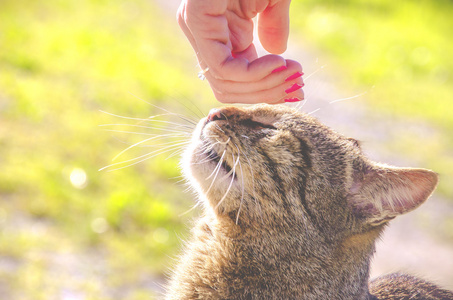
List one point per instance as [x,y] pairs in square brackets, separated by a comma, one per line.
[221,33]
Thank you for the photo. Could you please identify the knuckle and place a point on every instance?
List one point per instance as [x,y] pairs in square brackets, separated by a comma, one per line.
[180,15]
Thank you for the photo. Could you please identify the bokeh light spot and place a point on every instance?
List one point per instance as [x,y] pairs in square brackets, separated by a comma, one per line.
[161,235]
[78,178]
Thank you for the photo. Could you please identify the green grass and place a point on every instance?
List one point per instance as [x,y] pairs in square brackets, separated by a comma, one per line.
[63,61]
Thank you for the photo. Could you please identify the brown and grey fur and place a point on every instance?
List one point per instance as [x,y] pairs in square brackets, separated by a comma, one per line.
[292,210]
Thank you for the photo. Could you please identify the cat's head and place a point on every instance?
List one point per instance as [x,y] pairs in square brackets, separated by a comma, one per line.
[265,166]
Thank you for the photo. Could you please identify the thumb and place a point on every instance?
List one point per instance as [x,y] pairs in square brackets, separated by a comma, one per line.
[273,27]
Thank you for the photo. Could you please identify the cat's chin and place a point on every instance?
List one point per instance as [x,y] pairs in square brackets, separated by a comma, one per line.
[212,170]
[215,160]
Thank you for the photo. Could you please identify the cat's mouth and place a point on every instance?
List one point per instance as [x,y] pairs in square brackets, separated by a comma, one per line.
[218,161]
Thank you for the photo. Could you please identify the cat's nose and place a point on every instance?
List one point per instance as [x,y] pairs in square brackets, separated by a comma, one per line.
[215,114]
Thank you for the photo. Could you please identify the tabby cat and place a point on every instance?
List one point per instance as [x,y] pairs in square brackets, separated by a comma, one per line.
[292,210]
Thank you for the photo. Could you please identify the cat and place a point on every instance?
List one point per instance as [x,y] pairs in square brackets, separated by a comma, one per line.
[292,210]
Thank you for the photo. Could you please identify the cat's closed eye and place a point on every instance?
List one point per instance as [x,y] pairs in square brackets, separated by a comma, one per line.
[257,125]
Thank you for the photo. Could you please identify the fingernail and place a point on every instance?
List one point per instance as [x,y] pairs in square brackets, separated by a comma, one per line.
[294,76]
[294,87]
[233,55]
[279,69]
[292,100]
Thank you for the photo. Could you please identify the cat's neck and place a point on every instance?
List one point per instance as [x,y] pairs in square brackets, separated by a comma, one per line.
[289,265]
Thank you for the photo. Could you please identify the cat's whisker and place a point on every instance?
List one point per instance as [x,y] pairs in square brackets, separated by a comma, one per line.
[145,156]
[198,203]
[348,98]
[219,164]
[141,142]
[180,179]
[157,147]
[202,152]
[314,111]
[212,136]
[198,115]
[144,133]
[230,185]
[314,72]
[204,161]
[233,169]
[123,117]
[224,143]
[207,148]
[321,68]
[243,187]
[182,117]
[156,132]
[173,142]
[176,152]
[301,104]
[219,128]
[188,127]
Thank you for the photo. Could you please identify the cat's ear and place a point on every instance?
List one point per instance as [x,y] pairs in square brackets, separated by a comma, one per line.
[380,193]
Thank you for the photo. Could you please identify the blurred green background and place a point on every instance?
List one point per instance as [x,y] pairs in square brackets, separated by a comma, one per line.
[68,231]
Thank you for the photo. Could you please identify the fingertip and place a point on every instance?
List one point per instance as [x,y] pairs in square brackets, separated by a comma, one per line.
[294,65]
[273,41]
[281,68]
[240,69]
[273,27]
[274,44]
[292,100]
[299,94]
[267,65]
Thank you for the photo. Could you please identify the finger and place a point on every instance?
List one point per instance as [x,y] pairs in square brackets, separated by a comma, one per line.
[273,27]
[241,31]
[249,54]
[284,90]
[213,46]
[224,66]
[293,69]
[181,18]
[271,96]
[204,24]
[277,94]
[213,49]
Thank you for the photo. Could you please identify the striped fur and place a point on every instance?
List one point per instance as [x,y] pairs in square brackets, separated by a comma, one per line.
[292,209]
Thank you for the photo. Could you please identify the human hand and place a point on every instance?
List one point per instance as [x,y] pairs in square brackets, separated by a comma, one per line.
[221,33]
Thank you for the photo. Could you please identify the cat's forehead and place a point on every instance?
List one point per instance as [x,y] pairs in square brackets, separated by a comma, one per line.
[270,110]
[276,113]
[285,116]
[300,124]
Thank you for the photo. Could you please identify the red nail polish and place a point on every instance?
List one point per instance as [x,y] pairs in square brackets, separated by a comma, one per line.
[292,100]
[294,88]
[279,69]
[294,76]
